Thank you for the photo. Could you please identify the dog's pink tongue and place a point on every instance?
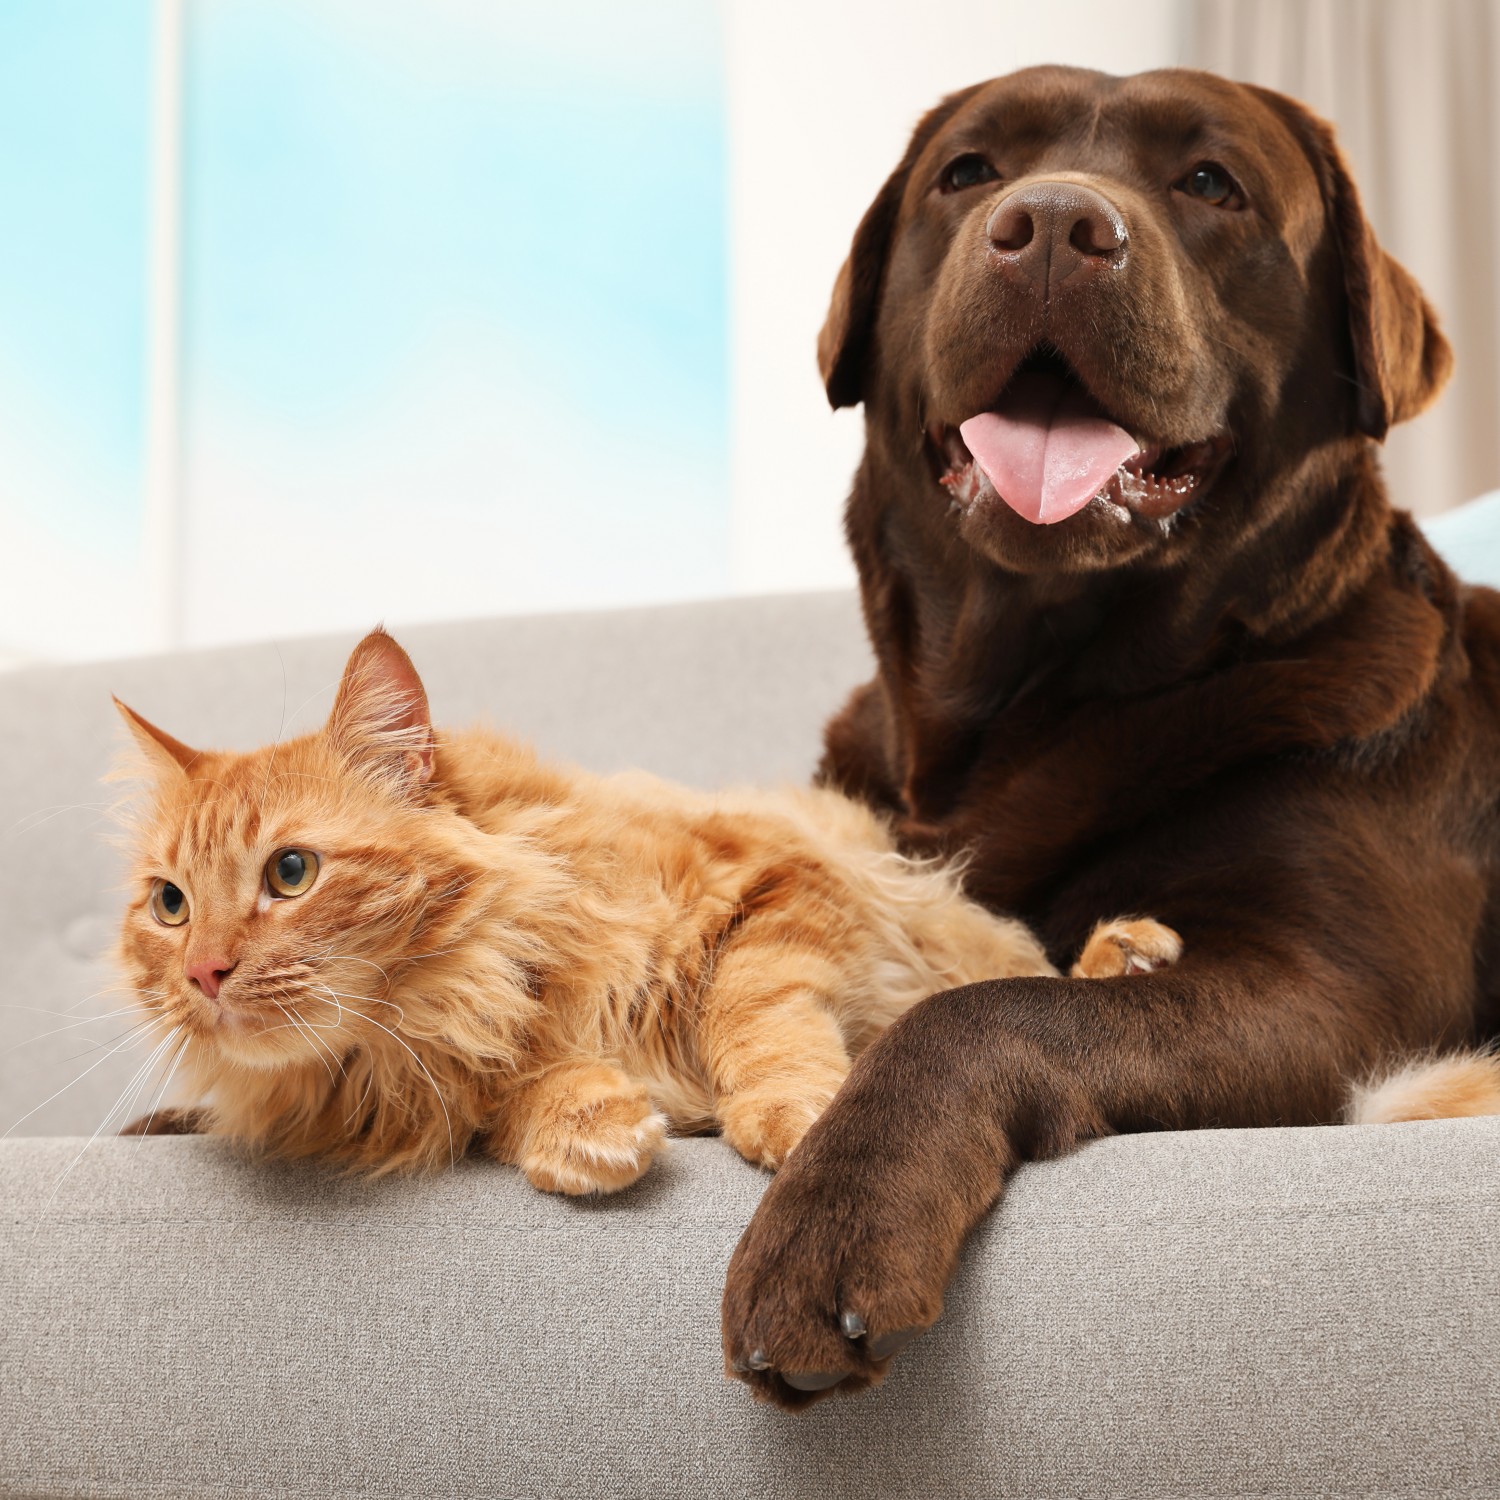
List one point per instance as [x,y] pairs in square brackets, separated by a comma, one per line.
[1046,449]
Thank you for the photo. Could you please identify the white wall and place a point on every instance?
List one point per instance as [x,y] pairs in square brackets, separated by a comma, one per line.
[822,97]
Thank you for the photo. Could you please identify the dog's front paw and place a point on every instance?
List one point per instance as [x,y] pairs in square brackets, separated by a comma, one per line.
[832,1279]
[1127,946]
[597,1133]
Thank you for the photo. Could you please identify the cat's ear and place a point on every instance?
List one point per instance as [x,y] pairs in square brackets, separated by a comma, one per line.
[380,720]
[166,757]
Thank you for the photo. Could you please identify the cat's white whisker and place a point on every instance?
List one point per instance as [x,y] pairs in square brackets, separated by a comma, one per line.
[127,1095]
[73,1026]
[129,1040]
[302,1029]
[139,1080]
[316,1032]
[352,958]
[333,997]
[46,1010]
[316,693]
[369,1000]
[166,1083]
[39,817]
[113,988]
[443,1103]
[120,1047]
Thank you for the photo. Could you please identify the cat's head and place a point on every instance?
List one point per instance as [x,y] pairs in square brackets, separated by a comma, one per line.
[276,894]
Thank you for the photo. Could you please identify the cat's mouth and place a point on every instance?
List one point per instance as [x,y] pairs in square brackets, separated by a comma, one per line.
[258,1030]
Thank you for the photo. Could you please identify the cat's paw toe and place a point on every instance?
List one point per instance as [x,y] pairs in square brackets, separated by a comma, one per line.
[766,1125]
[1136,946]
[599,1145]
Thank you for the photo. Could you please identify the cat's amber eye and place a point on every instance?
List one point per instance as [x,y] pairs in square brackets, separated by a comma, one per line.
[168,904]
[291,872]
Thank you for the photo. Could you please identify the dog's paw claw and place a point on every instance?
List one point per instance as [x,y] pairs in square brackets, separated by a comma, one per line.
[890,1344]
[821,1380]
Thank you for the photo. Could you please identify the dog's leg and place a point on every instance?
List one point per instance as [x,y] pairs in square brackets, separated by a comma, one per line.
[847,1257]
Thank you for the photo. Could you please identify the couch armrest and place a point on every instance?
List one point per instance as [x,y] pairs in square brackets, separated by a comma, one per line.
[1275,1312]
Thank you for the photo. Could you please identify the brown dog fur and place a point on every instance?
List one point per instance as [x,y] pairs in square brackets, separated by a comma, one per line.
[1270,716]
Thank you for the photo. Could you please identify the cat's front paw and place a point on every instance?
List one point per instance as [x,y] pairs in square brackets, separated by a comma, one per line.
[765,1125]
[172,1121]
[597,1133]
[1127,946]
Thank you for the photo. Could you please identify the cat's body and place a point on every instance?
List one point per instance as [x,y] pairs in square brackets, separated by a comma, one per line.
[484,950]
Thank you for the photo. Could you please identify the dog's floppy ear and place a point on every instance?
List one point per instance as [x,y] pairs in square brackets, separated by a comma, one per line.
[1401,359]
[843,345]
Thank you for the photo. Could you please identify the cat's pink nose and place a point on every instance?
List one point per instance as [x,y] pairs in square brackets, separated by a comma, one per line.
[209,973]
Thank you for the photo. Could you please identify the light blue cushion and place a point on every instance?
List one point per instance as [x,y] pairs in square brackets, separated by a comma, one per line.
[1469,539]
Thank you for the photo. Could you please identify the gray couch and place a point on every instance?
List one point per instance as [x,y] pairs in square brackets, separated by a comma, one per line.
[1226,1313]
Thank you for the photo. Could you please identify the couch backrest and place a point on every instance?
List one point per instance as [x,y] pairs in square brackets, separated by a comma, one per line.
[710,694]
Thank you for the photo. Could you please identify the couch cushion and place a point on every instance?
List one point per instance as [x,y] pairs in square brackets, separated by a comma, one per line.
[1273,1313]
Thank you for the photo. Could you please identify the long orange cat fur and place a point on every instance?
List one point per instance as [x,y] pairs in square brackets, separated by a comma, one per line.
[385,946]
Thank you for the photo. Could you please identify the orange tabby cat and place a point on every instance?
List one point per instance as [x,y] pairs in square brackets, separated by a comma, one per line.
[385,946]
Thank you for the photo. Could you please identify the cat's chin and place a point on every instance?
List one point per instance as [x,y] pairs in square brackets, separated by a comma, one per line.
[241,1041]
[243,1053]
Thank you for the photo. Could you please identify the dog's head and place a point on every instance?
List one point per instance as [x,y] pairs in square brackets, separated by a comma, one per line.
[1087,314]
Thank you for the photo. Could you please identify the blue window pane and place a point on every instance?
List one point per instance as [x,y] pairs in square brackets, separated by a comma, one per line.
[73,134]
[455,308]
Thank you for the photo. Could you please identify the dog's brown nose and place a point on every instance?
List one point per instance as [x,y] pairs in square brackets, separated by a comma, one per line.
[1050,231]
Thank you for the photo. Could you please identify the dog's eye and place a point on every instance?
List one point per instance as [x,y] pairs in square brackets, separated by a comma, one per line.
[966,172]
[1210,182]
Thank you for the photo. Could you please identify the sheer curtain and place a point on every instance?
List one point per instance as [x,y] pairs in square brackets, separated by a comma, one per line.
[1410,85]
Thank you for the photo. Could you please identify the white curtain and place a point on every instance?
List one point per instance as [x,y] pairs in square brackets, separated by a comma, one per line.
[1410,85]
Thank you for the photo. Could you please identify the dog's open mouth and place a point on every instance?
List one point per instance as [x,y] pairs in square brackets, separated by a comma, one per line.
[1048,449]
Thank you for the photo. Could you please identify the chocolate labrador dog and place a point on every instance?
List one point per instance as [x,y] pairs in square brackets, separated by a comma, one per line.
[1150,637]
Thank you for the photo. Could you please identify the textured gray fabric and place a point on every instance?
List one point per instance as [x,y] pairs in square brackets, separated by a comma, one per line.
[709,694]
[1237,1313]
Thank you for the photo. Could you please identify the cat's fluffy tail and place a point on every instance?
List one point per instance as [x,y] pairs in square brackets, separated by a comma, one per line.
[1432,1088]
